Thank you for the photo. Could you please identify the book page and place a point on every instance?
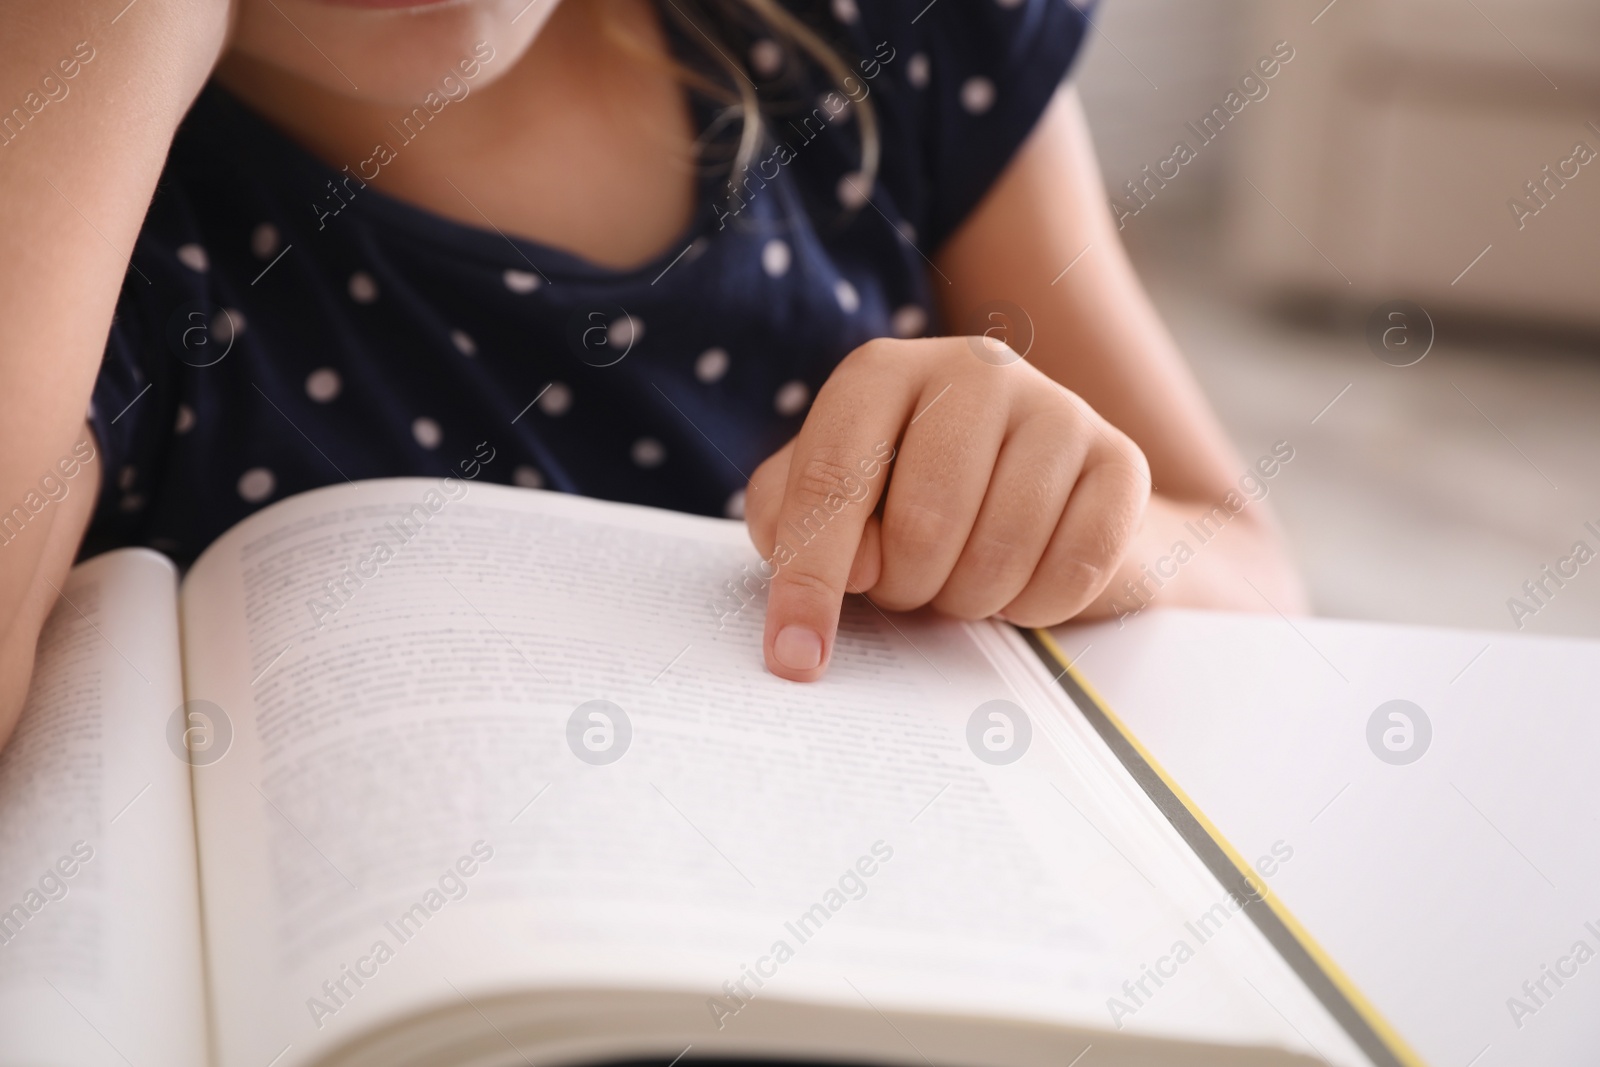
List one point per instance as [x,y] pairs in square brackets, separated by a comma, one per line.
[1432,791]
[100,960]
[494,739]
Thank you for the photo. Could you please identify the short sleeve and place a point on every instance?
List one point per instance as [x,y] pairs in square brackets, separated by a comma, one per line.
[987,69]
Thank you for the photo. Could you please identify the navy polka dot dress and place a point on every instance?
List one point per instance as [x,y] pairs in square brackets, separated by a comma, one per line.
[282,327]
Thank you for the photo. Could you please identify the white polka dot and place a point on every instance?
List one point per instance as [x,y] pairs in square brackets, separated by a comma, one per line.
[520,281]
[363,289]
[910,321]
[845,108]
[226,326]
[648,452]
[527,477]
[194,257]
[918,70]
[791,398]
[695,250]
[846,294]
[908,231]
[977,95]
[846,10]
[625,332]
[734,508]
[132,501]
[427,432]
[775,258]
[185,421]
[256,484]
[464,344]
[556,399]
[323,384]
[126,477]
[766,57]
[712,364]
[852,190]
[264,241]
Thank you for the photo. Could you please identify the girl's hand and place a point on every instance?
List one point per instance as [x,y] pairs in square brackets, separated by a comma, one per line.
[942,471]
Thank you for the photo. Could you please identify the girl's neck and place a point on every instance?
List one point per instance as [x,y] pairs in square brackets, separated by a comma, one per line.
[583,144]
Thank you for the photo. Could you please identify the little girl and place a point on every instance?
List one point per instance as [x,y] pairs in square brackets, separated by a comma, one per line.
[841,268]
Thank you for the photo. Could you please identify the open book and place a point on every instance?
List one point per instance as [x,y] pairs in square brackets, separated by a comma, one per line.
[421,773]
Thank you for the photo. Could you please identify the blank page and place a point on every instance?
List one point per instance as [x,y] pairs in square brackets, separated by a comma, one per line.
[1441,875]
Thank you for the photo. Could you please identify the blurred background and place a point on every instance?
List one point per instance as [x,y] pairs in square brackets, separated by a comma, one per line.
[1383,163]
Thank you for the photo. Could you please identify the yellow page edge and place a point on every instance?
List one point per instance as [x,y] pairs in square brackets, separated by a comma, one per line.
[1398,1051]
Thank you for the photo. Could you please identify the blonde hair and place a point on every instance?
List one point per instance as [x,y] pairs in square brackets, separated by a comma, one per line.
[768,18]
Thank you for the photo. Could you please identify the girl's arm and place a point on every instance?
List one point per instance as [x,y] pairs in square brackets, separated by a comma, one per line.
[90,96]
[1096,332]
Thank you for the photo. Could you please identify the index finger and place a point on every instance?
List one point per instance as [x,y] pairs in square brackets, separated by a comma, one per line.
[837,474]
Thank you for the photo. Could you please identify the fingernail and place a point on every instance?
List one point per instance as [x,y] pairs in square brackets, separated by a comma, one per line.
[798,648]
